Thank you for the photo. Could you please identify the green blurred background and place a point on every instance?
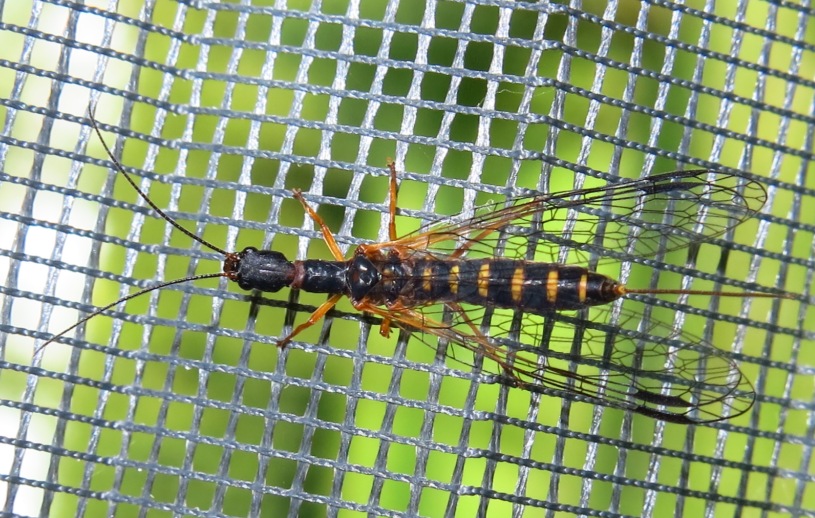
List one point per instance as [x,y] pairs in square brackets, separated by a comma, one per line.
[297,402]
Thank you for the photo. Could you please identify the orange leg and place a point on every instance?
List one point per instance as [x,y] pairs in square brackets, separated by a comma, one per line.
[392,207]
[369,250]
[385,328]
[387,316]
[327,235]
[315,317]
[477,343]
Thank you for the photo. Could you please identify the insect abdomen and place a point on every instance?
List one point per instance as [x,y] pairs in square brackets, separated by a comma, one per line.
[528,286]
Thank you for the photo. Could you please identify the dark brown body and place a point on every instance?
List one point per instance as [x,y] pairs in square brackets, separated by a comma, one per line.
[388,280]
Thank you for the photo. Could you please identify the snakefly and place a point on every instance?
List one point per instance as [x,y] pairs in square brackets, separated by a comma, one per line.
[477,282]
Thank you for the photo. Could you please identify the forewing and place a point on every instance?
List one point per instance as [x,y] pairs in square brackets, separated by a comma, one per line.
[648,368]
[629,219]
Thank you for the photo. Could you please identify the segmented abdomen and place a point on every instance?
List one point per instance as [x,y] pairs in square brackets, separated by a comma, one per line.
[529,286]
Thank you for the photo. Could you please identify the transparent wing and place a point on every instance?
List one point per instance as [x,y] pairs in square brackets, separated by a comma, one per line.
[630,219]
[648,368]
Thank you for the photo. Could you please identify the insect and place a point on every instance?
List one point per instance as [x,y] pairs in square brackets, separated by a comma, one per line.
[476,282]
